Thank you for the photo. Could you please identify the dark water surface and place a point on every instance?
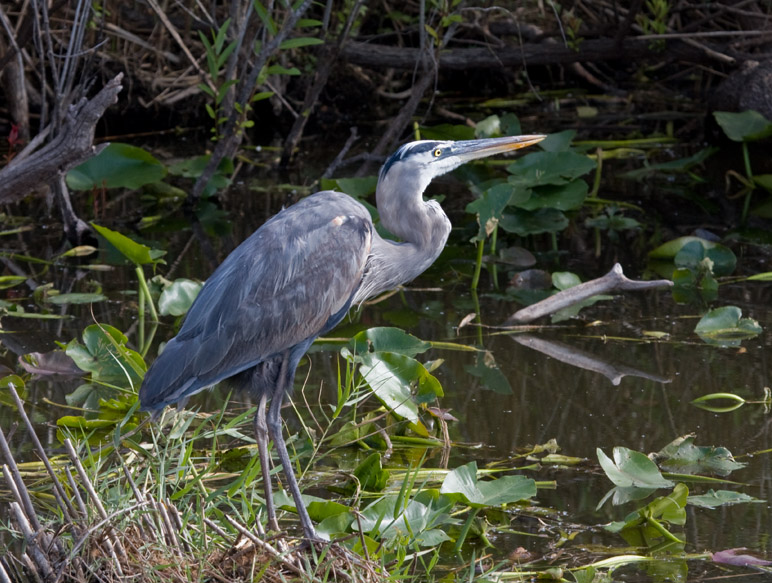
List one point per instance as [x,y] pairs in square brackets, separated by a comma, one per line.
[531,398]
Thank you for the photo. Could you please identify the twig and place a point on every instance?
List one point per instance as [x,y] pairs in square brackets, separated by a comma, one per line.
[269,549]
[61,498]
[30,537]
[86,482]
[613,280]
[342,154]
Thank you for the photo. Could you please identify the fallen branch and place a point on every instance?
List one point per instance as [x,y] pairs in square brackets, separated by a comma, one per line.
[614,280]
[73,145]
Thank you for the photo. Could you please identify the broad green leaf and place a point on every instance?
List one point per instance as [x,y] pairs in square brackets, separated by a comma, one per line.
[748,126]
[371,475]
[488,209]
[117,166]
[683,457]
[105,355]
[137,253]
[680,165]
[558,142]
[549,168]
[489,373]
[390,376]
[714,499]
[389,521]
[564,197]
[524,223]
[725,326]
[506,490]
[670,249]
[387,339]
[693,254]
[177,298]
[764,181]
[632,469]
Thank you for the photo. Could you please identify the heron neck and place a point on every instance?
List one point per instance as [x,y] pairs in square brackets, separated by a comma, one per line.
[423,228]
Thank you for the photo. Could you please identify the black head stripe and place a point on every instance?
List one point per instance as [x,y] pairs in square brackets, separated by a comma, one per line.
[409,149]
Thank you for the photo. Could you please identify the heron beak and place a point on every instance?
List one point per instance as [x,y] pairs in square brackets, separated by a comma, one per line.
[473,149]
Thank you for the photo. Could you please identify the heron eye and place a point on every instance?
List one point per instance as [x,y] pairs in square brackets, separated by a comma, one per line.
[437,153]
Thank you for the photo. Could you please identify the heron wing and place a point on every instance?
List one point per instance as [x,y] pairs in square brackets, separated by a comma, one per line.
[281,287]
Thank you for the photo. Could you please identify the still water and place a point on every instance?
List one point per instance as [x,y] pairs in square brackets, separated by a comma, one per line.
[522,397]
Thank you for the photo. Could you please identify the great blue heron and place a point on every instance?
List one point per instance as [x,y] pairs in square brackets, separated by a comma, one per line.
[295,278]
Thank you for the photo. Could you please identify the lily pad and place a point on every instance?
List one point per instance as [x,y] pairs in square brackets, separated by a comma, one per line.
[725,326]
[176,298]
[632,469]
[509,489]
[716,498]
[748,126]
[683,457]
[117,166]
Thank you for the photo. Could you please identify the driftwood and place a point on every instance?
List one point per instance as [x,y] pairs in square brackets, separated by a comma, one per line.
[612,281]
[75,144]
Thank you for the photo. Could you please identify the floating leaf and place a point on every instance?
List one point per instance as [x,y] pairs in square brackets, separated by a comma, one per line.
[117,166]
[714,499]
[509,489]
[682,456]
[543,168]
[748,126]
[371,475]
[524,223]
[725,327]
[486,369]
[488,209]
[632,469]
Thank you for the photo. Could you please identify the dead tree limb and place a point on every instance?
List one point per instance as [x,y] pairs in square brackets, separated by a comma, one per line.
[73,145]
[612,281]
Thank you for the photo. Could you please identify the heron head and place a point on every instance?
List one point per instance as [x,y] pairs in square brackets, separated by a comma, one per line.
[426,159]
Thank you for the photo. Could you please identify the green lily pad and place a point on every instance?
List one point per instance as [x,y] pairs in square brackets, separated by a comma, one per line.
[105,355]
[117,166]
[387,339]
[682,456]
[509,489]
[716,498]
[488,208]
[748,126]
[524,223]
[725,326]
[632,469]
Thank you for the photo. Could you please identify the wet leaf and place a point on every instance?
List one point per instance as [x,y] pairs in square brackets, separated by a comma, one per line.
[488,209]
[564,197]
[632,469]
[725,326]
[524,223]
[388,339]
[49,363]
[748,126]
[486,369]
[390,376]
[714,499]
[682,456]
[371,475]
[506,490]
[105,355]
[693,253]
[389,519]
[553,168]
[117,166]
[137,253]
[176,298]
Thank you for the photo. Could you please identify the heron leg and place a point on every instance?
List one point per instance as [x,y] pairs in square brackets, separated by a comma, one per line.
[284,383]
[261,436]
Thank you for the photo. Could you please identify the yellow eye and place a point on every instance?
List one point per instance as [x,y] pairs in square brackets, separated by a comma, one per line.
[437,153]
